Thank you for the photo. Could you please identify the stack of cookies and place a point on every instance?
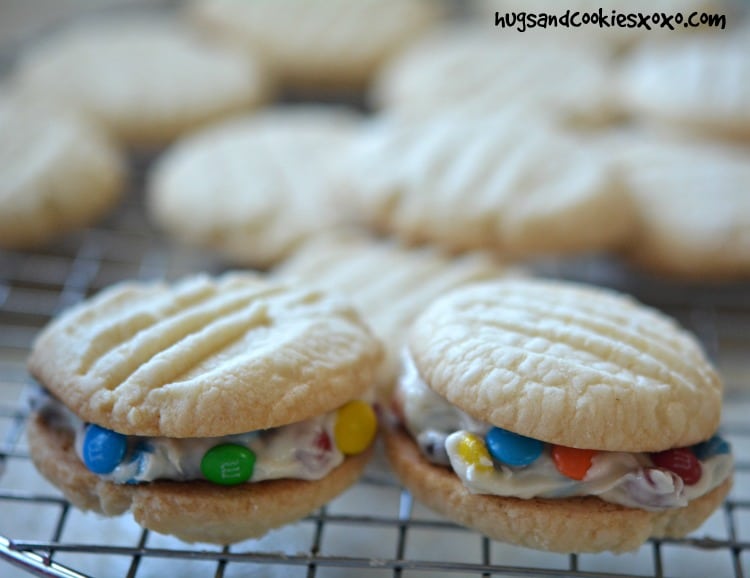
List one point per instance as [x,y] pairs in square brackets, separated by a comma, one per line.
[382,173]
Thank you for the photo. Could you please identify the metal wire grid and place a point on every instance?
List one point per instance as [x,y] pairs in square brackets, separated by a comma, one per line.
[399,536]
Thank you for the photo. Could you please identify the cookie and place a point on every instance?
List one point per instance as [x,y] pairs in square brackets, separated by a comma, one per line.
[572,525]
[205,357]
[559,416]
[502,182]
[60,173]
[254,188]
[581,366]
[390,284]
[146,80]
[701,83]
[197,403]
[482,71]
[318,44]
[692,203]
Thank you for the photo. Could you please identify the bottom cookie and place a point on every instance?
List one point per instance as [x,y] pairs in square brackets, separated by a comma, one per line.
[194,511]
[566,525]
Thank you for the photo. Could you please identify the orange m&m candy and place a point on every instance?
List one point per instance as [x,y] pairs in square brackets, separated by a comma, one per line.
[572,462]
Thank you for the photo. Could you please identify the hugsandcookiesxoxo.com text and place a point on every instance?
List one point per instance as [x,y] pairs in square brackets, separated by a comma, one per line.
[523,21]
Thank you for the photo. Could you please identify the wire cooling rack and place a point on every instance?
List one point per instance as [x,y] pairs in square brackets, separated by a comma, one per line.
[374,529]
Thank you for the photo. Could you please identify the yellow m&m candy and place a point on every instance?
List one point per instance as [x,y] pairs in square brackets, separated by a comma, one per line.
[355,427]
[472,450]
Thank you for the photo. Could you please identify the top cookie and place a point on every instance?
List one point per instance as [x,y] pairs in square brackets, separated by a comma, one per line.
[205,357]
[568,364]
[146,80]
[318,43]
[58,172]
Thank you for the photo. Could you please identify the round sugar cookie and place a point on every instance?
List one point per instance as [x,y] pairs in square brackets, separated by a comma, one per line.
[700,83]
[205,356]
[501,182]
[585,524]
[692,204]
[59,173]
[146,80]
[568,364]
[484,71]
[390,284]
[255,187]
[318,44]
[195,511]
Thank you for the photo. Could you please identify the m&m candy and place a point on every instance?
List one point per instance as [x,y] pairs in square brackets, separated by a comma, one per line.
[572,462]
[710,448]
[355,427]
[103,449]
[472,450]
[322,442]
[512,449]
[432,445]
[681,461]
[228,464]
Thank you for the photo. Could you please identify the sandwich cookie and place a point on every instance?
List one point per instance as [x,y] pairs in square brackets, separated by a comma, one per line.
[559,417]
[214,409]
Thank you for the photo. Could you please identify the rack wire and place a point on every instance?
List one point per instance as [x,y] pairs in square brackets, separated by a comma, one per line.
[375,528]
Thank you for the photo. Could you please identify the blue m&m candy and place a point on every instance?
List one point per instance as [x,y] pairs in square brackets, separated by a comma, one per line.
[512,449]
[714,446]
[103,449]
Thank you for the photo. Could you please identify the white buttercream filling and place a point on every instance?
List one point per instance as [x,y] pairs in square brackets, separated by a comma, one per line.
[291,451]
[629,479]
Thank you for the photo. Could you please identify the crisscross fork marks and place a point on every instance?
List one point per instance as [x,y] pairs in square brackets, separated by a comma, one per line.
[569,365]
[119,364]
[144,314]
[582,327]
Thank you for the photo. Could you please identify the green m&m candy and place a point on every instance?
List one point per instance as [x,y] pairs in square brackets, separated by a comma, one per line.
[228,464]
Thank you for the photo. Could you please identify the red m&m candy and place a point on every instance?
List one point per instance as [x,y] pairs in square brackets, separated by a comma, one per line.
[572,462]
[681,461]
[323,442]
